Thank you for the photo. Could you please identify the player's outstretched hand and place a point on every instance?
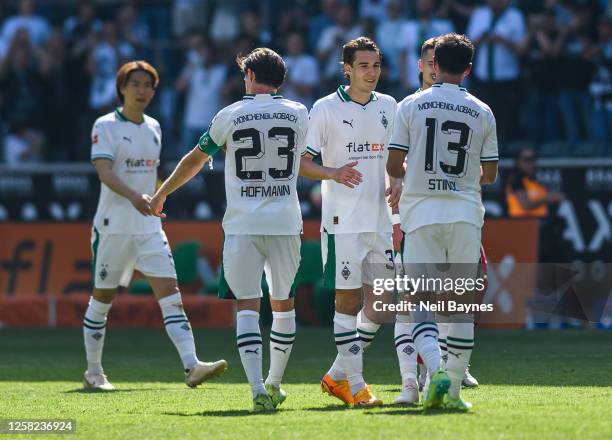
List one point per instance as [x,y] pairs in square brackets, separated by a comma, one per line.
[348,175]
[394,192]
[398,235]
[141,203]
[157,205]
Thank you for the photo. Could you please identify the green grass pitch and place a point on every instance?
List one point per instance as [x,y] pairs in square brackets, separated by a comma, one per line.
[539,385]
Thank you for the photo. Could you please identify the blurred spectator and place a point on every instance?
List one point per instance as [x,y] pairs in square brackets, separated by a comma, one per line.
[543,46]
[498,31]
[294,19]
[79,27]
[302,72]
[526,197]
[23,144]
[601,87]
[37,27]
[22,83]
[80,35]
[188,16]
[391,47]
[458,12]
[202,80]
[329,46]
[133,30]
[225,23]
[55,86]
[105,58]
[322,21]
[373,9]
[576,73]
[250,27]
[426,25]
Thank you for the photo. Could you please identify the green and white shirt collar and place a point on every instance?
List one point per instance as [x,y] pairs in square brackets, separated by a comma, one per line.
[262,95]
[449,86]
[119,114]
[346,98]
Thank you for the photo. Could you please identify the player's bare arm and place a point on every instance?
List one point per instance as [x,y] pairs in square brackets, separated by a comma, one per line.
[488,173]
[104,168]
[187,168]
[346,175]
[394,192]
[395,164]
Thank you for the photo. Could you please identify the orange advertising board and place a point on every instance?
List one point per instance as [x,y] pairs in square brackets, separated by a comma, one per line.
[55,258]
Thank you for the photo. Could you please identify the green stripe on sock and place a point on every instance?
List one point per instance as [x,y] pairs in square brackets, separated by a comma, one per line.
[450,338]
[422,324]
[93,322]
[174,316]
[246,335]
[401,336]
[282,335]
[341,335]
[366,333]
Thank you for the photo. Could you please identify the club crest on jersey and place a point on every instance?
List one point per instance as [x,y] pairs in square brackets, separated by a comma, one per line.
[104,272]
[346,273]
[383,119]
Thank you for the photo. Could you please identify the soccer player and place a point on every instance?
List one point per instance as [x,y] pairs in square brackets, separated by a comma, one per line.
[125,151]
[353,124]
[427,77]
[448,138]
[263,135]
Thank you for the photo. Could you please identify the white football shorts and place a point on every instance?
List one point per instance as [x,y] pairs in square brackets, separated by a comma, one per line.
[351,260]
[247,257]
[115,256]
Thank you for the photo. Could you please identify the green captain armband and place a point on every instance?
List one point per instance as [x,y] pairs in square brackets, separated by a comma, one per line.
[207,145]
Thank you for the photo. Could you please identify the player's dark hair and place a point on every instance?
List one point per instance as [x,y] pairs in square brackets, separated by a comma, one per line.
[362,43]
[125,71]
[267,66]
[453,53]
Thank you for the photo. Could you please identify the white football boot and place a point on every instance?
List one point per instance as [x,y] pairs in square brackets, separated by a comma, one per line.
[469,381]
[204,371]
[97,381]
[409,394]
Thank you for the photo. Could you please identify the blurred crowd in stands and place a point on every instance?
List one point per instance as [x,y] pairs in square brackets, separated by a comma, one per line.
[544,66]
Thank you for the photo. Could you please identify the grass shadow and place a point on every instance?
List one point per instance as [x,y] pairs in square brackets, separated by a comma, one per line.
[120,390]
[227,413]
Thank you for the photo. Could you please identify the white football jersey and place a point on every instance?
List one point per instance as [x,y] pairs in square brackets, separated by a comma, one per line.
[134,150]
[264,139]
[446,133]
[343,131]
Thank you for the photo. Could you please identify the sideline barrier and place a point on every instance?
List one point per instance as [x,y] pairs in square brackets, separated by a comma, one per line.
[45,274]
[127,311]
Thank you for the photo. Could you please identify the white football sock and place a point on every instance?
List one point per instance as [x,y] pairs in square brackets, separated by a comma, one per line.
[282,336]
[366,329]
[460,342]
[406,352]
[425,337]
[178,328]
[349,348]
[336,372]
[442,334]
[248,339]
[94,331]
